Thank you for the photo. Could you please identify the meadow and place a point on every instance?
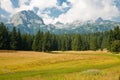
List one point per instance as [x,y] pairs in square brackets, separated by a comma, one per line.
[59,65]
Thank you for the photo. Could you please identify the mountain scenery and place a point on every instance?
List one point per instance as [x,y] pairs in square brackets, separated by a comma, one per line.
[29,22]
[59,39]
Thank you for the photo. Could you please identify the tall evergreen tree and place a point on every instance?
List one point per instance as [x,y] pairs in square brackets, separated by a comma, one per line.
[105,42]
[77,43]
[59,41]
[27,41]
[115,46]
[14,39]
[85,42]
[63,43]
[114,39]
[54,42]
[37,43]
[47,42]
[116,33]
[19,40]
[67,42]
[93,42]
[4,37]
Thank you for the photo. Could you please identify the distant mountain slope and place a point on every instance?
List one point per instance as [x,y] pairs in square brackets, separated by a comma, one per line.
[29,22]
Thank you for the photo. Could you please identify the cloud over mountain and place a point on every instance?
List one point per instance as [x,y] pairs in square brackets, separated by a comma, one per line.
[89,9]
[64,11]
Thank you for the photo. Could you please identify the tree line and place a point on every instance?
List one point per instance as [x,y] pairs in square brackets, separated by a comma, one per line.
[46,41]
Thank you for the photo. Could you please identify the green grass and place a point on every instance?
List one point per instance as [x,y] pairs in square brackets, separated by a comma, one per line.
[65,66]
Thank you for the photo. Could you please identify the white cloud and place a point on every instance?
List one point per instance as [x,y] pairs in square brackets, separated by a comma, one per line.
[23,2]
[42,4]
[23,7]
[7,6]
[89,9]
[64,5]
[80,9]
[47,19]
[2,16]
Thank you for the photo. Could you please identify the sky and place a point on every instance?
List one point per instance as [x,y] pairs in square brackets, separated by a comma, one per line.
[64,11]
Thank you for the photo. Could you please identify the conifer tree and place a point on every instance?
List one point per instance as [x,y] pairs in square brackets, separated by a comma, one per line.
[47,42]
[77,43]
[27,41]
[14,39]
[19,39]
[114,39]
[37,43]
[4,37]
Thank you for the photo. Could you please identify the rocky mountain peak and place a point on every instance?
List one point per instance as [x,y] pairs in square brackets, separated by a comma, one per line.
[99,20]
[25,17]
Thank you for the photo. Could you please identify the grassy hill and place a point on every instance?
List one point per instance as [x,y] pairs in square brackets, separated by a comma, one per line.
[67,65]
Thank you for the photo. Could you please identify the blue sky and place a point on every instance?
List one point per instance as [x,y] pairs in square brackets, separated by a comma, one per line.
[15,3]
[64,11]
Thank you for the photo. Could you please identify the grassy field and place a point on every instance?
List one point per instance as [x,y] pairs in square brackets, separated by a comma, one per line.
[67,65]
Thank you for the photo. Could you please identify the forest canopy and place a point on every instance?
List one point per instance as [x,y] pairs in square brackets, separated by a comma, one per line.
[46,41]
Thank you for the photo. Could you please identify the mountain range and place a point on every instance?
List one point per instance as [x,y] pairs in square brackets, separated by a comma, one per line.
[29,22]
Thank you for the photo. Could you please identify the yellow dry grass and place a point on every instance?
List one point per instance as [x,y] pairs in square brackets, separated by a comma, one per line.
[17,61]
